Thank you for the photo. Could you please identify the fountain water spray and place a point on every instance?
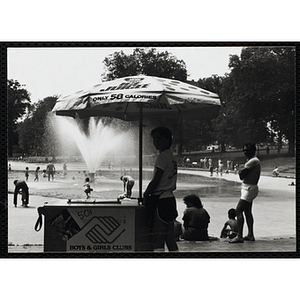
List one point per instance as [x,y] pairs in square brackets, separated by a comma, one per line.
[96,143]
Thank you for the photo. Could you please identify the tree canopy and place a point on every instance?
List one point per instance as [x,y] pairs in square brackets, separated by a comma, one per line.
[258,99]
[36,138]
[259,95]
[18,101]
[146,61]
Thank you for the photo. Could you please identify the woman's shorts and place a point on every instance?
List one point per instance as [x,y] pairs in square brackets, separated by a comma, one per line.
[249,192]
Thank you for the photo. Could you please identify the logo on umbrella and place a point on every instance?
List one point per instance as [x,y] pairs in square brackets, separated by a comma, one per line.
[130,83]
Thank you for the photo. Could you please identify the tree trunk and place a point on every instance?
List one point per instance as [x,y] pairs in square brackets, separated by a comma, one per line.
[292,147]
[279,143]
[291,136]
[223,147]
[180,134]
[291,140]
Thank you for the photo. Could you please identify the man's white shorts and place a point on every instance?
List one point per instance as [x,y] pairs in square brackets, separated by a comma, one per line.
[249,192]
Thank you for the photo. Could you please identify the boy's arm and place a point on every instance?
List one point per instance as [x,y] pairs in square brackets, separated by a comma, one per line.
[223,230]
[153,183]
[243,173]
[248,167]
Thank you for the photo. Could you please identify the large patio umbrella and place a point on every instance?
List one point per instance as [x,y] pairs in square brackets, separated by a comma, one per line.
[136,97]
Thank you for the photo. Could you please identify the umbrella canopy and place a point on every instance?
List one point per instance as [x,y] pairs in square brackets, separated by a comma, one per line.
[134,97]
[120,98]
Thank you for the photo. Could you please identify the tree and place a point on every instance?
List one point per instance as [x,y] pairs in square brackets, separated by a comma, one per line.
[213,83]
[216,130]
[18,102]
[258,95]
[36,137]
[282,120]
[144,61]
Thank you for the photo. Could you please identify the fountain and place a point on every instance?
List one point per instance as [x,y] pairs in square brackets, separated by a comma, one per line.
[96,142]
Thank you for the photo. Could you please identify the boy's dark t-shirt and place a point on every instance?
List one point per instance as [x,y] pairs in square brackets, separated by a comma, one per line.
[166,162]
[162,196]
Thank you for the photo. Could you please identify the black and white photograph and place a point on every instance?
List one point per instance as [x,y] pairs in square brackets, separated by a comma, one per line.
[151,149]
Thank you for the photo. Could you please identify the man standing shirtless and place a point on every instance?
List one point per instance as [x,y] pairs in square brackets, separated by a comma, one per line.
[250,175]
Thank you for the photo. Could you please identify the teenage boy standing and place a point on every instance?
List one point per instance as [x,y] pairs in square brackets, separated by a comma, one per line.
[158,196]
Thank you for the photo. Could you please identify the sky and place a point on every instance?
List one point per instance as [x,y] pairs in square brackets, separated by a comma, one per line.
[63,71]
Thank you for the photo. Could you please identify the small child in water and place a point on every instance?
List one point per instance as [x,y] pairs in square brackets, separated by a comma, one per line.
[26,173]
[36,178]
[88,188]
[275,172]
[230,228]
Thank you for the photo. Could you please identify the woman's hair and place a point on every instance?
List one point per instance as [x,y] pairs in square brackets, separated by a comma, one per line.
[194,200]
[163,132]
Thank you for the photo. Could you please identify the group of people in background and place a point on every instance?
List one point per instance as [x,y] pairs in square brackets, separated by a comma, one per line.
[21,187]
[207,164]
[48,172]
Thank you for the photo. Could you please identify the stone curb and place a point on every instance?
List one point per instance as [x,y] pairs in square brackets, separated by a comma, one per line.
[275,244]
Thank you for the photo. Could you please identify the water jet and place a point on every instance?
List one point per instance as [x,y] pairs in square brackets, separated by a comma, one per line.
[98,143]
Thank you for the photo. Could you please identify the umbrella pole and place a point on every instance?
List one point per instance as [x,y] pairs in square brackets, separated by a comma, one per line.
[141,154]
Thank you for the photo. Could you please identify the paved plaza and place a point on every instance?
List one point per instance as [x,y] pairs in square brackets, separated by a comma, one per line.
[274,212]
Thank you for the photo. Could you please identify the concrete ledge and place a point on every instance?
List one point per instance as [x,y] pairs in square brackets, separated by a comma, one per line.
[25,248]
[275,244]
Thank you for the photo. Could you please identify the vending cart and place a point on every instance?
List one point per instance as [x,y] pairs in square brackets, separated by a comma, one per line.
[79,226]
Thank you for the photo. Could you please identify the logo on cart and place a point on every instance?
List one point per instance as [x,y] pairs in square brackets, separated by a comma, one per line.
[104,230]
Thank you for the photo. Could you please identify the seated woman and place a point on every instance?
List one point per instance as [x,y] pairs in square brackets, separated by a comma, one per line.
[195,220]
